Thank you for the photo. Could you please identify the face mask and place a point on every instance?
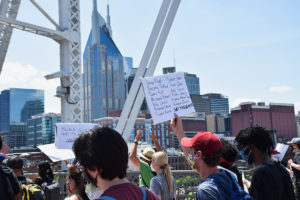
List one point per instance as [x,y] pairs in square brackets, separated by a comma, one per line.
[192,160]
[244,156]
[152,168]
[92,191]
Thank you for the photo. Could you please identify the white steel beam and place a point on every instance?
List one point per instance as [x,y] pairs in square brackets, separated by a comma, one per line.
[151,68]
[45,14]
[8,8]
[70,61]
[143,65]
[139,95]
[39,30]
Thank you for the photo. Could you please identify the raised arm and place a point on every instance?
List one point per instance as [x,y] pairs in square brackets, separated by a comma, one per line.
[154,139]
[176,126]
[132,156]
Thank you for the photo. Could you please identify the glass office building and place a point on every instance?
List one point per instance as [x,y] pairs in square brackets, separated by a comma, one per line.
[103,71]
[17,105]
[41,129]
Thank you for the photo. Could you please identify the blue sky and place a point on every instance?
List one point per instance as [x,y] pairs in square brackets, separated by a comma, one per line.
[246,50]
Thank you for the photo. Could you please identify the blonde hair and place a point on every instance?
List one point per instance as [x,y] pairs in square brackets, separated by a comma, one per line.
[161,159]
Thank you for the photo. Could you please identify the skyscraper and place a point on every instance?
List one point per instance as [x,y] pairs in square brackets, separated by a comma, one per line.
[103,72]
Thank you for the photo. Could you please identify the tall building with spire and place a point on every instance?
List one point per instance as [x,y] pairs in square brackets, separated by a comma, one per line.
[103,71]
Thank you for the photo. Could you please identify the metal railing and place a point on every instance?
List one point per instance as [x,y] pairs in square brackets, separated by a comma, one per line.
[187,182]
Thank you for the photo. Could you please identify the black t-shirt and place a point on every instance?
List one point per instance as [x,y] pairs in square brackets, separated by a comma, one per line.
[11,177]
[271,181]
[296,159]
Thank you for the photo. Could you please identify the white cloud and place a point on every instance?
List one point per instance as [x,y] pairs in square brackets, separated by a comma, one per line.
[280,89]
[16,75]
[236,102]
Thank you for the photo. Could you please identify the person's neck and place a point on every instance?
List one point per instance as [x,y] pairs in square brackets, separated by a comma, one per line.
[75,191]
[262,158]
[105,184]
[205,171]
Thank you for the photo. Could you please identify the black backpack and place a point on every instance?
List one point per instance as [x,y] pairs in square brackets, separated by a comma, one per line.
[52,190]
[6,189]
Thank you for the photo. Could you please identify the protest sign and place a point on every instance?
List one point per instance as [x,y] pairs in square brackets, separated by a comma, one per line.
[282,149]
[56,154]
[66,133]
[166,95]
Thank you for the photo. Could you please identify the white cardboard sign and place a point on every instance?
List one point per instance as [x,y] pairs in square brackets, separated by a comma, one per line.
[166,95]
[66,133]
[282,149]
[56,154]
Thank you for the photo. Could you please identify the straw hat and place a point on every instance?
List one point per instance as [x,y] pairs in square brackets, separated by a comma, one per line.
[147,153]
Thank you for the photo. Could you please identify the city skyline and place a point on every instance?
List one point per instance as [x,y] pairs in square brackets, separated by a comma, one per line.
[247,51]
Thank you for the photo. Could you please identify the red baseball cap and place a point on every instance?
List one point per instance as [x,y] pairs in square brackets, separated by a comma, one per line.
[207,142]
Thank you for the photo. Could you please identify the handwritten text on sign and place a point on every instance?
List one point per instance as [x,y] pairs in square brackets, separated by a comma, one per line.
[66,133]
[166,95]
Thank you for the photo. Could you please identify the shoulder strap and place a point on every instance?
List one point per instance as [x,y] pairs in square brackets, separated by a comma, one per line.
[106,198]
[144,192]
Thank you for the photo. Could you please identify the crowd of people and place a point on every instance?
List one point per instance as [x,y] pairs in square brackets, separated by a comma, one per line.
[99,171]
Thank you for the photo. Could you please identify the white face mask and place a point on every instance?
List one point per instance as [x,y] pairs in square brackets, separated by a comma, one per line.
[92,191]
[152,168]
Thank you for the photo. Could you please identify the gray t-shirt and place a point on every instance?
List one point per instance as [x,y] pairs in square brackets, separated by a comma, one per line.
[159,186]
[208,190]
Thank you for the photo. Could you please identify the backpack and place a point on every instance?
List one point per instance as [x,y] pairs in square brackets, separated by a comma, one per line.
[110,198]
[52,190]
[32,192]
[232,191]
[6,189]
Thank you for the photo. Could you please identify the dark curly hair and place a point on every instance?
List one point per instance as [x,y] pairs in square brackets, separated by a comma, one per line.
[257,136]
[229,151]
[45,173]
[103,149]
[214,160]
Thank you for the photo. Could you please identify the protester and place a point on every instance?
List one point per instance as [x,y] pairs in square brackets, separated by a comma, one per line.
[294,165]
[270,180]
[75,184]
[203,152]
[45,173]
[145,159]
[9,186]
[28,188]
[16,164]
[104,154]
[228,157]
[47,182]
[163,184]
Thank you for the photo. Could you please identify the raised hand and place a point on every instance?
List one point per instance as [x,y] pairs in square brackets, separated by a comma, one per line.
[138,135]
[176,124]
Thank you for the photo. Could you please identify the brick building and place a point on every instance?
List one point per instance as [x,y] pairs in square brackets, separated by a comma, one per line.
[275,117]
